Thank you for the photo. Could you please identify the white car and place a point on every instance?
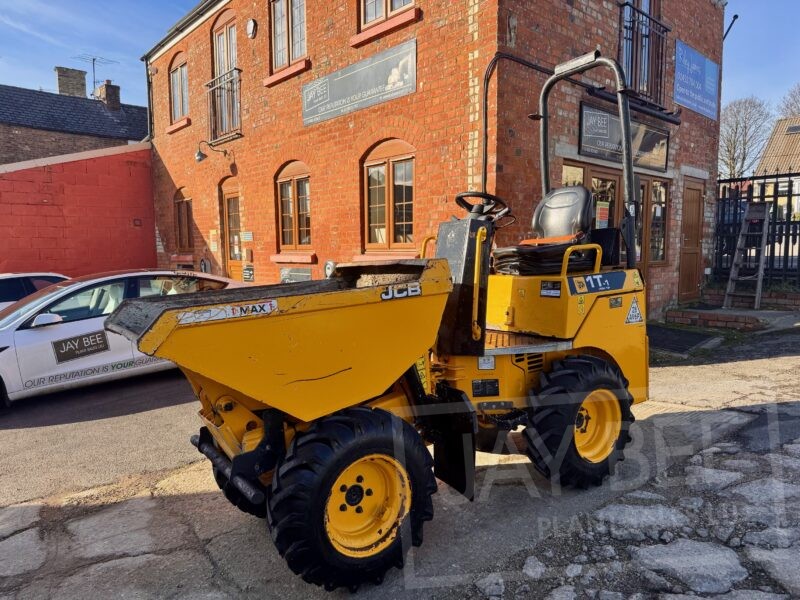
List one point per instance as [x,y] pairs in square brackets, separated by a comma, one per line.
[54,339]
[15,286]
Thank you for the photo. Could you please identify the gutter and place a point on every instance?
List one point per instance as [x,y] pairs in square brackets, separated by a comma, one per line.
[197,12]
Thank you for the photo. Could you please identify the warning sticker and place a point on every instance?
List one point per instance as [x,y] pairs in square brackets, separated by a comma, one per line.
[634,314]
[220,313]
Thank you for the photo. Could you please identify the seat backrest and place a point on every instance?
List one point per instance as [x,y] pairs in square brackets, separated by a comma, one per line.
[563,212]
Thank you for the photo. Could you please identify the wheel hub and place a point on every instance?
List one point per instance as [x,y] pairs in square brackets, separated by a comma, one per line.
[354,495]
[598,425]
[366,506]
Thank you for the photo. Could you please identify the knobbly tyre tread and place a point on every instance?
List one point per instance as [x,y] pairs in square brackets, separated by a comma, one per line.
[236,498]
[549,438]
[301,485]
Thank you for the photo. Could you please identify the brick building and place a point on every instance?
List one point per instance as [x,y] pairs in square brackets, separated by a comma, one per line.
[341,131]
[36,124]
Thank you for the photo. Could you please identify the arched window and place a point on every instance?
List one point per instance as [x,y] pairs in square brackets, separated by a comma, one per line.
[389,195]
[288,32]
[224,88]
[184,223]
[294,206]
[179,87]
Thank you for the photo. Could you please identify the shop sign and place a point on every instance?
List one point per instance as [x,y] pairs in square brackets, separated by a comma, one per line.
[601,137]
[385,76]
[696,81]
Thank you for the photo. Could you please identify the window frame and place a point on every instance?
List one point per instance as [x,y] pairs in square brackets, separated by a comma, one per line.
[389,162]
[293,180]
[288,35]
[388,13]
[179,62]
[591,171]
[189,221]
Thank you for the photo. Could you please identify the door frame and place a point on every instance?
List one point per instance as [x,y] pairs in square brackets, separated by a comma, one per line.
[689,183]
[233,268]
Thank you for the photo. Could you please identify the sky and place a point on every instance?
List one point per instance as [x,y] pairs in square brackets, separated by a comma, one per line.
[37,35]
[762,52]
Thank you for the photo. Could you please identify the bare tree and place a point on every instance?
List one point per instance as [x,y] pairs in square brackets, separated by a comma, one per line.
[745,127]
[790,104]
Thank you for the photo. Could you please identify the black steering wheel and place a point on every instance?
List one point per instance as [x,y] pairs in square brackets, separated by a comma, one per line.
[491,205]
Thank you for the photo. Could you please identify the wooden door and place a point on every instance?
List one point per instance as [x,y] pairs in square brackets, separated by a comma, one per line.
[231,237]
[691,243]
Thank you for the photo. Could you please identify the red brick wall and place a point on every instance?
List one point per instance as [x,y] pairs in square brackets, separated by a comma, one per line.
[439,120]
[22,143]
[551,31]
[78,217]
[456,41]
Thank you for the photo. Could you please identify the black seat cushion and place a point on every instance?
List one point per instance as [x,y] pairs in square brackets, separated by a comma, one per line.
[540,260]
[563,213]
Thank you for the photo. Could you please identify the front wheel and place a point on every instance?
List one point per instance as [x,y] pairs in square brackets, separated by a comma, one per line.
[351,497]
[580,423]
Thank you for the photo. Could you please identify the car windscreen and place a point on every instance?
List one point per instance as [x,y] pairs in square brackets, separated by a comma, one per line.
[33,302]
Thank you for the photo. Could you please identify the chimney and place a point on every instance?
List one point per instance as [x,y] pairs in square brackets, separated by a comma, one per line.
[71,82]
[109,94]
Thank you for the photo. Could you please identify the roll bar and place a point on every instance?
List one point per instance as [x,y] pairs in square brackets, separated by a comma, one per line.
[578,65]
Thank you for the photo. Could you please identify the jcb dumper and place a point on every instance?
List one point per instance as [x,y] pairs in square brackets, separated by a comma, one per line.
[319,400]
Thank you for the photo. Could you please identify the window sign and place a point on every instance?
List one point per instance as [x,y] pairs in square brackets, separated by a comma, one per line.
[385,76]
[601,137]
[696,81]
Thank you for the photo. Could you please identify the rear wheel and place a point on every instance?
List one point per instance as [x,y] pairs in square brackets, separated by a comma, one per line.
[580,421]
[351,497]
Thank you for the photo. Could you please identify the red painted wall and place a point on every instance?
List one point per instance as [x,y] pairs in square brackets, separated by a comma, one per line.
[79,217]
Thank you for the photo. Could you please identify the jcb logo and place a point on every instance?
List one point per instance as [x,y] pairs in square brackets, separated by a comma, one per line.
[401,291]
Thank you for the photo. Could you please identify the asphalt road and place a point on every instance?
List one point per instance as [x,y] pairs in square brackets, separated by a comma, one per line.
[176,518]
[82,438]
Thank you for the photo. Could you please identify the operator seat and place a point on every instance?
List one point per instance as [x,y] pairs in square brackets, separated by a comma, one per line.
[562,219]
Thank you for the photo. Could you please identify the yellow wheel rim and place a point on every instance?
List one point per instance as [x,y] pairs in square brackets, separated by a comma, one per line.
[367,505]
[598,425]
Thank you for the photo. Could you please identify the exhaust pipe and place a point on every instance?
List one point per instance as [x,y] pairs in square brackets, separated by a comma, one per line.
[224,465]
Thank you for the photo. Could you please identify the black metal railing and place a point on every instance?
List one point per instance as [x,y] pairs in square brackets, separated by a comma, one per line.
[782,264]
[643,53]
[224,105]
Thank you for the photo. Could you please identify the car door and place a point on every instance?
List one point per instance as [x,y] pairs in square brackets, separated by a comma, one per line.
[77,350]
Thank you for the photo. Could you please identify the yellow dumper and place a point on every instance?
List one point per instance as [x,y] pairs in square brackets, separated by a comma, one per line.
[319,400]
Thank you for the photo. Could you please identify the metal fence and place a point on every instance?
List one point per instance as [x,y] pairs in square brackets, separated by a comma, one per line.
[223,106]
[782,192]
[643,52]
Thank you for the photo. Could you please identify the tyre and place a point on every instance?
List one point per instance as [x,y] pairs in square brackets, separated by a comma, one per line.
[236,498]
[350,497]
[581,421]
[4,401]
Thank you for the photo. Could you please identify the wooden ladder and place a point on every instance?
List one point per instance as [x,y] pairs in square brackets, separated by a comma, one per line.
[754,213]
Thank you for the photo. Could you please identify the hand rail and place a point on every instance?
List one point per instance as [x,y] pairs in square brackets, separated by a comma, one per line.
[598,258]
[425,242]
[480,237]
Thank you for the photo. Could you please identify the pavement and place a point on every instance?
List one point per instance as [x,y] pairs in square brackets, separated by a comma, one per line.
[706,502]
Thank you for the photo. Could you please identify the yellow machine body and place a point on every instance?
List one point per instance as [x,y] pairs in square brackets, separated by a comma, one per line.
[306,355]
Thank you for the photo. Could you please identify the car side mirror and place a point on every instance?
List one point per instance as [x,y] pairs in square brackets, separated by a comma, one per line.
[45,319]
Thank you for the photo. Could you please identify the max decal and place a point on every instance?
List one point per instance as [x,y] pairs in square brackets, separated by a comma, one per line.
[222,313]
[80,346]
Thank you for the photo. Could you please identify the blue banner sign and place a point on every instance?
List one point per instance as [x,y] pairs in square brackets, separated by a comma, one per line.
[387,75]
[696,81]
